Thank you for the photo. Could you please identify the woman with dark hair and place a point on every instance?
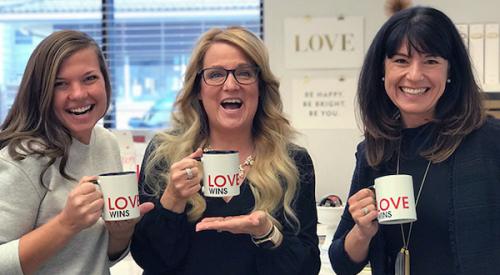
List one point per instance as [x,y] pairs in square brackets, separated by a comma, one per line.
[51,151]
[423,116]
[230,101]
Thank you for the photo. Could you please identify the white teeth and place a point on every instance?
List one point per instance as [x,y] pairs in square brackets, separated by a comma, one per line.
[414,91]
[81,109]
[231,101]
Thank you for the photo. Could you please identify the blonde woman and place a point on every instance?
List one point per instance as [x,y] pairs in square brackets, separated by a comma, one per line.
[230,101]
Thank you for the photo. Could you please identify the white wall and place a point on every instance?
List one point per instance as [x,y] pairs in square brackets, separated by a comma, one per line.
[333,150]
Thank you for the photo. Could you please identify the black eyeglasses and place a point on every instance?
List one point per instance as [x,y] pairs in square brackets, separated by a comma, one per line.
[216,76]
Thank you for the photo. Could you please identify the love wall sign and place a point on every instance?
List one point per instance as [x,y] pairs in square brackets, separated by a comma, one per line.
[324,42]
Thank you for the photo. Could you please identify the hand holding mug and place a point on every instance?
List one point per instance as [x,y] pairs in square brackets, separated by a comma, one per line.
[256,223]
[83,206]
[184,181]
[363,209]
[125,228]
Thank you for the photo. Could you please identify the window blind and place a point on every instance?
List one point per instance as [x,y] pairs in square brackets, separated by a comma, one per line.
[147,44]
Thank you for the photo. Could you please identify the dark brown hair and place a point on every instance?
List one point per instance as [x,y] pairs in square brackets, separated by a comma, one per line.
[459,110]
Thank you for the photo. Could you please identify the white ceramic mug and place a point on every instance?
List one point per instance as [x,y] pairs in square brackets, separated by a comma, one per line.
[220,173]
[121,195]
[395,199]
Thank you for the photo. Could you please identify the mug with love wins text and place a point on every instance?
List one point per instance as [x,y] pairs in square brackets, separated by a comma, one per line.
[395,199]
[121,195]
[220,173]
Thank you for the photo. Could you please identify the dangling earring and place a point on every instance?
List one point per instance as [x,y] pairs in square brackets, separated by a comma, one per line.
[383,79]
[448,80]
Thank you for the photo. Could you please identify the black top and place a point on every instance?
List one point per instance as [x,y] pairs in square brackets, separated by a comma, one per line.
[431,227]
[471,179]
[165,242]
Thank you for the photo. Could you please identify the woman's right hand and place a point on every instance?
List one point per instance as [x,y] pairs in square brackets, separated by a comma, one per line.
[364,212]
[182,184]
[83,206]
[363,209]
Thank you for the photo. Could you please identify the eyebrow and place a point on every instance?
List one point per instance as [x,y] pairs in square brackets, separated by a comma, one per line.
[424,55]
[241,65]
[401,54]
[90,72]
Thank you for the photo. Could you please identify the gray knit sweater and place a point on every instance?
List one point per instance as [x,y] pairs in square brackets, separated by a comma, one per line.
[26,205]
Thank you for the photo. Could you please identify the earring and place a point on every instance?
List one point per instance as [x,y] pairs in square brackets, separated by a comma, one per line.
[448,80]
[383,79]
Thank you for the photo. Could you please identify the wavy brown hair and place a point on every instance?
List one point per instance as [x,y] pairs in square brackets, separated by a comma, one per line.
[274,176]
[458,112]
[31,126]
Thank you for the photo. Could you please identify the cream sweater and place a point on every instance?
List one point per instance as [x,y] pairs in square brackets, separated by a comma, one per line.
[26,205]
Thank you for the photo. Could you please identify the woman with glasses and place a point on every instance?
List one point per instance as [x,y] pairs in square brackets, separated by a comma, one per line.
[230,101]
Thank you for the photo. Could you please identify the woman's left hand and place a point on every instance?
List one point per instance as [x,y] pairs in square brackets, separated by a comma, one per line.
[256,223]
[123,230]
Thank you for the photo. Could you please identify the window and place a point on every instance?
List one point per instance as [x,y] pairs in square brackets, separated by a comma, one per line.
[147,44]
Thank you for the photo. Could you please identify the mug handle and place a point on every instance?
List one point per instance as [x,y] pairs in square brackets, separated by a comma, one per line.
[96,182]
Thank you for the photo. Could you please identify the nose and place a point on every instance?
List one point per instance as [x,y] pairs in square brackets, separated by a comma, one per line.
[78,91]
[415,72]
[231,83]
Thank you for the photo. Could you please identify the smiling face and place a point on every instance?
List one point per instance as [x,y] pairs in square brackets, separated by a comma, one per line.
[230,106]
[414,82]
[80,94]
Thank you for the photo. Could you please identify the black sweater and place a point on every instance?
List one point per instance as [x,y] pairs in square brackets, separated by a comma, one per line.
[165,242]
[472,215]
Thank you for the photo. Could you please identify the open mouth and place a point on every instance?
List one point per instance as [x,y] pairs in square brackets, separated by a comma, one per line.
[414,91]
[81,110]
[231,104]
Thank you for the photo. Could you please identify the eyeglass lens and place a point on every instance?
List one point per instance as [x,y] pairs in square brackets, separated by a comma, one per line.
[217,76]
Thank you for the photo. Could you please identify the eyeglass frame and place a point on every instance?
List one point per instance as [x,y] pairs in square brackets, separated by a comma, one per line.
[256,68]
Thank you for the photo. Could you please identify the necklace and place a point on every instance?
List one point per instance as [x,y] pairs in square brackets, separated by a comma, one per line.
[402,266]
[248,162]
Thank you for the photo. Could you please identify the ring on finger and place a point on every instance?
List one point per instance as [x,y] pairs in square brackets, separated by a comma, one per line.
[189,173]
[365,211]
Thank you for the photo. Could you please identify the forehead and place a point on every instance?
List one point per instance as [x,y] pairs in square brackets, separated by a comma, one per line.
[224,55]
[81,58]
[410,51]
[410,46]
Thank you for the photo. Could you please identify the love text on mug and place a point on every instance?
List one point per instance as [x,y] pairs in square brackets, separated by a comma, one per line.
[120,207]
[218,184]
[387,205]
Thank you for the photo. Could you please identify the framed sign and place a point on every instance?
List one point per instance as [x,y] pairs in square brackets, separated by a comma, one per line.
[324,103]
[324,42]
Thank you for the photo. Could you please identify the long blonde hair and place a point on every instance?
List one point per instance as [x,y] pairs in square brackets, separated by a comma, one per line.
[274,176]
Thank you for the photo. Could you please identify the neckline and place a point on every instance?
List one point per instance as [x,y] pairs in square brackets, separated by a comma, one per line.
[80,144]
